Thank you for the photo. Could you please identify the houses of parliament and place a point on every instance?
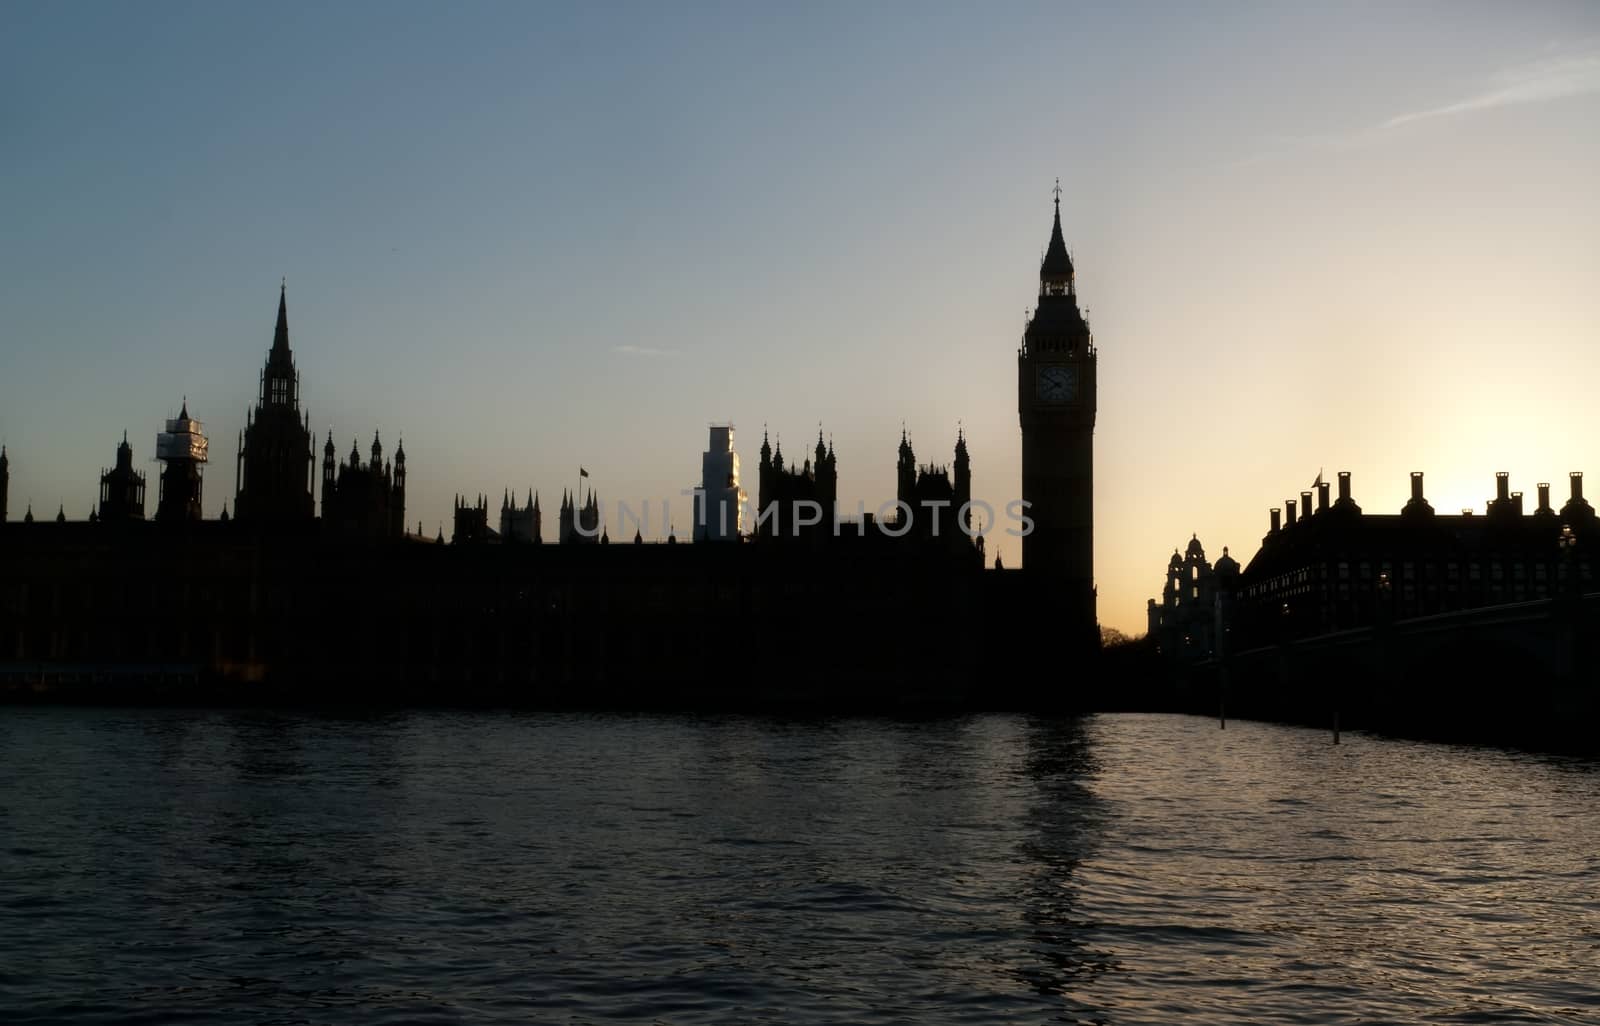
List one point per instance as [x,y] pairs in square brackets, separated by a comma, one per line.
[312,586]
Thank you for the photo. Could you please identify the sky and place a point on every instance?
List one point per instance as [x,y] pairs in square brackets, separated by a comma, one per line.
[529,237]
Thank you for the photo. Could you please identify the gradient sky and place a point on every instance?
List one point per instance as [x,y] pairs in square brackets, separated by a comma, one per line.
[527,237]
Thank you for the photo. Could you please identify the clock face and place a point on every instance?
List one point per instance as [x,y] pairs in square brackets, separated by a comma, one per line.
[1058,384]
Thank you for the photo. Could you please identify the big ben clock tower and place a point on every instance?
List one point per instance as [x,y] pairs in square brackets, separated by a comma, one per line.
[1056,401]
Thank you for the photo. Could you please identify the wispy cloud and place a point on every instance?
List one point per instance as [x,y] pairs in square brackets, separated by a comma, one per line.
[1553,79]
[645,351]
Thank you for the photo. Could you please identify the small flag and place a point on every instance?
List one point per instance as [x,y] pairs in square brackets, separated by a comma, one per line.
[582,472]
[1318,482]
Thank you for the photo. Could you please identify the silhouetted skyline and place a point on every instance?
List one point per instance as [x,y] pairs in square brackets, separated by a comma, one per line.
[528,239]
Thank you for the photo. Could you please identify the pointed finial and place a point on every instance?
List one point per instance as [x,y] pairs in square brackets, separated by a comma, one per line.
[283,286]
[1058,193]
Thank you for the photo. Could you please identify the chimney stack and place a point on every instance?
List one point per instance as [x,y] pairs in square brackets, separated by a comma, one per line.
[1502,485]
[1544,497]
[1576,477]
[1322,496]
[1305,505]
[1416,485]
[1276,523]
[1288,506]
[1344,486]
[1516,502]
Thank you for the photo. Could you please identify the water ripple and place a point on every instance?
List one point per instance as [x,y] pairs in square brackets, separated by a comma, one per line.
[168,866]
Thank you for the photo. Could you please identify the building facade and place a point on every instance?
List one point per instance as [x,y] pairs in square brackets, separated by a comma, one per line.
[1326,566]
[720,500]
[1191,621]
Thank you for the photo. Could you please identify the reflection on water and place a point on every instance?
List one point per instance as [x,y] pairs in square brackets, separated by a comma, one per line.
[178,866]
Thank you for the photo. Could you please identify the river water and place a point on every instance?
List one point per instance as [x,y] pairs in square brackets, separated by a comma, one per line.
[173,866]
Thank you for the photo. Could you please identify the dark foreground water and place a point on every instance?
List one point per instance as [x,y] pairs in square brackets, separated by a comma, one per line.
[169,866]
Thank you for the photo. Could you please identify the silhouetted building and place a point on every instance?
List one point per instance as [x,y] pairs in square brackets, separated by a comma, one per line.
[520,523]
[1330,566]
[935,504]
[228,602]
[1056,385]
[1190,621]
[273,470]
[472,523]
[796,501]
[366,500]
[577,525]
[182,448]
[719,504]
[122,488]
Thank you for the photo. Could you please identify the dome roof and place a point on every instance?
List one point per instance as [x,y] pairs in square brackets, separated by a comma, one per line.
[1195,548]
[1227,564]
[1176,559]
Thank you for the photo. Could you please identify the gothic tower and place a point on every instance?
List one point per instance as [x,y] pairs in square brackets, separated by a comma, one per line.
[827,470]
[905,477]
[274,465]
[963,483]
[122,488]
[182,447]
[1056,402]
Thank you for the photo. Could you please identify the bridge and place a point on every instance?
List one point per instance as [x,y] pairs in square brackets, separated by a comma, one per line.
[1517,672]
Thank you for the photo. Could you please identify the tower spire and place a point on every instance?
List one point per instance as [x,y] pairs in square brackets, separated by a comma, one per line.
[1055,271]
[280,334]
